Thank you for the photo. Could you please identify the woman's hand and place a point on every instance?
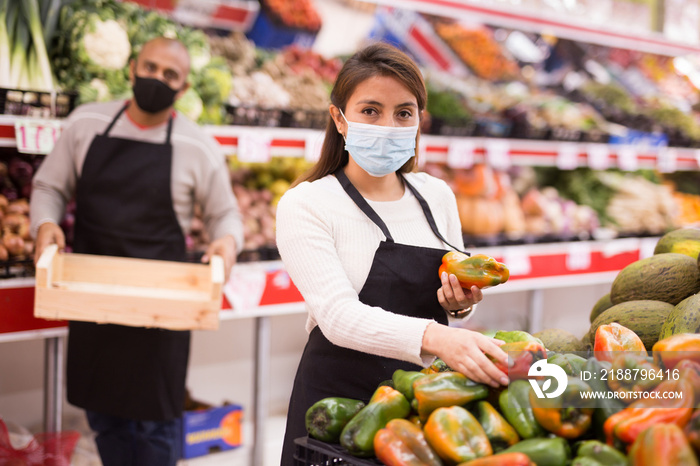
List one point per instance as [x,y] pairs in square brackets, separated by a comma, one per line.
[466,351]
[453,297]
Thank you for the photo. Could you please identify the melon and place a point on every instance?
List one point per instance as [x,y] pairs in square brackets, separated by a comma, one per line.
[682,241]
[668,277]
[684,318]
[643,317]
[601,305]
[559,340]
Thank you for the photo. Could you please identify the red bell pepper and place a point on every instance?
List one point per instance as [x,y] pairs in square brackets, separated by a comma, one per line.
[615,337]
[633,363]
[402,443]
[662,445]
[521,355]
[626,425]
[502,459]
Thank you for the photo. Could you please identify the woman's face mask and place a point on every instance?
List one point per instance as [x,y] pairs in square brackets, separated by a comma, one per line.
[380,150]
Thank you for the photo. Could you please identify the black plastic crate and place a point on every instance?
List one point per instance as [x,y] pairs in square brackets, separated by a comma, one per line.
[315,453]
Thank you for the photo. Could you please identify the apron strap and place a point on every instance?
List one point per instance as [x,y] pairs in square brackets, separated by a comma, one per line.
[428,214]
[114,120]
[362,203]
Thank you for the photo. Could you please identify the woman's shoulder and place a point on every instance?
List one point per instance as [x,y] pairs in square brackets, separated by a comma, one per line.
[312,192]
[430,184]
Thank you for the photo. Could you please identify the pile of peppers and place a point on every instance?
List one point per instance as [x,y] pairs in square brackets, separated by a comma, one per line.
[439,417]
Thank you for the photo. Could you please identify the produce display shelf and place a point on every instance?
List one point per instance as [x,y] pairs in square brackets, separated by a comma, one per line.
[522,18]
[258,144]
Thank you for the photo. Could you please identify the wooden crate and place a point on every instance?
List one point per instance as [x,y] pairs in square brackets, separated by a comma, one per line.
[126,291]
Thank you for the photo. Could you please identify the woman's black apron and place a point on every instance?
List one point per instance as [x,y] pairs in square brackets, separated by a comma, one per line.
[124,208]
[403,279]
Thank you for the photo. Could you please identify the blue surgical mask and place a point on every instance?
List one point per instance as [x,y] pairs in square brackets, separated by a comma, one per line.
[380,150]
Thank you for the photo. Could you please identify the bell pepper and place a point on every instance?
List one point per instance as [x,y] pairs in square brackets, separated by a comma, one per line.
[672,350]
[478,270]
[358,434]
[543,451]
[402,443]
[500,433]
[456,435]
[511,336]
[521,355]
[515,406]
[635,362]
[326,418]
[692,430]
[584,461]
[596,374]
[614,337]
[437,366]
[601,453]
[565,415]
[571,363]
[445,389]
[662,445]
[403,382]
[626,425]
[688,369]
[502,459]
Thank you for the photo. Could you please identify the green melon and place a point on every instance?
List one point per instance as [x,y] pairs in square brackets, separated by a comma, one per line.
[684,318]
[559,340]
[601,305]
[682,241]
[668,277]
[644,317]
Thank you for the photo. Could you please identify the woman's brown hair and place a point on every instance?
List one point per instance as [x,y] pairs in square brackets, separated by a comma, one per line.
[378,59]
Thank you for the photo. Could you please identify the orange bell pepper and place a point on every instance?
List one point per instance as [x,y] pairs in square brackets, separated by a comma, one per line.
[672,350]
[456,435]
[615,337]
[502,459]
[564,415]
[478,270]
[662,445]
[626,425]
[402,443]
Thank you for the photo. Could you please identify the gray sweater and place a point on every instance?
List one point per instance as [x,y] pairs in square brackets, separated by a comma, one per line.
[199,172]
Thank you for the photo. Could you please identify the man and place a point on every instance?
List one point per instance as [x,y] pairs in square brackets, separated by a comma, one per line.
[137,169]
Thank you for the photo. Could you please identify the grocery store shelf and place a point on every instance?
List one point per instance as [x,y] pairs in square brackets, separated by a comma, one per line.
[257,144]
[522,18]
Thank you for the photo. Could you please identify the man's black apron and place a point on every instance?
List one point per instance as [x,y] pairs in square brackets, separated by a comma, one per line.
[403,279]
[124,208]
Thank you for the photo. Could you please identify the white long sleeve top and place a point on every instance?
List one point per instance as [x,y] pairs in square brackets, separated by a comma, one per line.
[327,245]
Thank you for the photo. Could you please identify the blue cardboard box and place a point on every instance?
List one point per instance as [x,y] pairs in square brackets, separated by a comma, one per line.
[211,430]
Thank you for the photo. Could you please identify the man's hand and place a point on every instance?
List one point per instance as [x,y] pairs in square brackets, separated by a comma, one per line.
[49,233]
[226,248]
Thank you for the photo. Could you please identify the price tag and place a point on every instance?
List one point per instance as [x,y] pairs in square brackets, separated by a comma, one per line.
[460,153]
[598,156]
[627,158]
[666,159]
[518,261]
[246,285]
[312,146]
[498,153]
[567,158]
[578,256]
[254,148]
[35,135]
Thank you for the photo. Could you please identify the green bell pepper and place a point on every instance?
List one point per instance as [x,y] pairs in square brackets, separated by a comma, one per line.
[544,451]
[500,433]
[445,389]
[515,406]
[403,382]
[326,418]
[602,453]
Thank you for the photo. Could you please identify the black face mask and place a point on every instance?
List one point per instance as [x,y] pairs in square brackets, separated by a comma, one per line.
[153,95]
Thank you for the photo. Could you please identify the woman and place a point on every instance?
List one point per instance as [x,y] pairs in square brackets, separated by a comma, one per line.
[362,237]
